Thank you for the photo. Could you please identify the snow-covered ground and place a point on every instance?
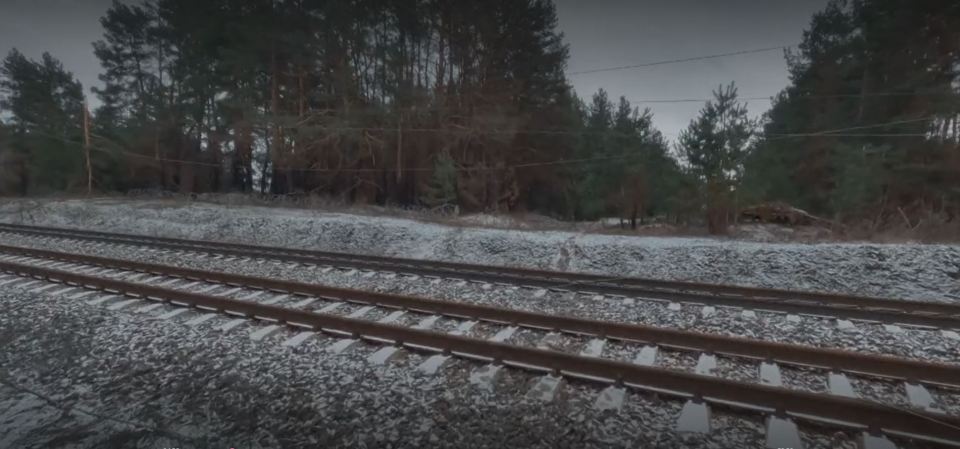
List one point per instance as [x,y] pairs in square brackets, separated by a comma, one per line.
[97,377]
[903,271]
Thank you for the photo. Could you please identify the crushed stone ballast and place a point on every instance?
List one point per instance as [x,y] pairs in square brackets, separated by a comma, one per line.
[578,365]
[939,315]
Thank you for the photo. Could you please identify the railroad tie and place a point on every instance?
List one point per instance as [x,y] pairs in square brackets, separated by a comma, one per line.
[918,396]
[149,308]
[230,292]
[135,277]
[232,324]
[694,417]
[708,311]
[188,285]
[265,332]
[611,398]
[208,289]
[10,281]
[175,312]
[44,288]
[427,322]
[203,318]
[82,294]
[893,328]
[550,341]
[486,376]
[782,433]
[384,355]
[546,388]
[62,291]
[770,374]
[305,302]
[275,300]
[594,348]
[101,300]
[298,339]
[30,283]
[169,282]
[840,385]
[504,334]
[252,295]
[647,356]
[432,364]
[706,365]
[392,317]
[846,325]
[329,308]
[878,441]
[122,304]
[340,346]
[359,313]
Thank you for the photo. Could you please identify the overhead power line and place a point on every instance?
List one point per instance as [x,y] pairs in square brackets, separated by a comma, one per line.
[391,169]
[842,132]
[676,61]
[849,135]
[799,97]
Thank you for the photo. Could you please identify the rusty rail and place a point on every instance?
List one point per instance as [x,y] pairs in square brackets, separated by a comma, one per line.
[854,362]
[857,412]
[920,313]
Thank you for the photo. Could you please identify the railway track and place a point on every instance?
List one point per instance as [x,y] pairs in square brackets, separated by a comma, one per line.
[915,313]
[779,403]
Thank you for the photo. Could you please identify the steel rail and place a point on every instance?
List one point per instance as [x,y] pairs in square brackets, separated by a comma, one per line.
[919,313]
[805,405]
[831,359]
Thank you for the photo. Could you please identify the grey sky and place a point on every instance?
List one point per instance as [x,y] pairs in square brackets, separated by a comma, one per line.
[601,33]
[607,33]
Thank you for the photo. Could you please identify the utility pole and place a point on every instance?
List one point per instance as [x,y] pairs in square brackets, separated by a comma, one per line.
[86,147]
[399,148]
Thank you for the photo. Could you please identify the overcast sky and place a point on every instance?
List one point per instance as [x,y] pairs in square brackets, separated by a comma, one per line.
[601,33]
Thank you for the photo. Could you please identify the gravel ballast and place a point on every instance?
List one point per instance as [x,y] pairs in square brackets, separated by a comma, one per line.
[95,377]
[100,378]
[864,337]
[903,271]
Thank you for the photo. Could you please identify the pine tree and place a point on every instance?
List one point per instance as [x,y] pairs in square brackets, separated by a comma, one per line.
[442,188]
[877,68]
[714,146]
[45,104]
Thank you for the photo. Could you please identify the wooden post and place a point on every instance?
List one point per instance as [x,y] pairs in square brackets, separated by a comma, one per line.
[400,148]
[86,147]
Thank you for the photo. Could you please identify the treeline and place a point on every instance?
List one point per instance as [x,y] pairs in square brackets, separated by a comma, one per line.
[440,104]
[869,128]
